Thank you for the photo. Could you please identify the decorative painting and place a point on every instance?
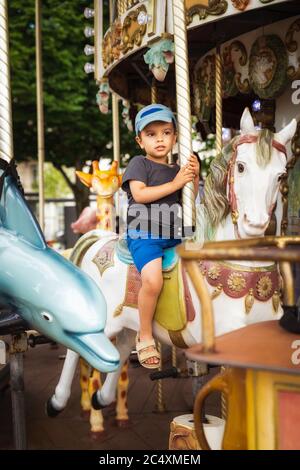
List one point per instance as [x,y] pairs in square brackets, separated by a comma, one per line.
[268,64]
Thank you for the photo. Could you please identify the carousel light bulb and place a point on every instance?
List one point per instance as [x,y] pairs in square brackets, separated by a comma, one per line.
[256,105]
[89,50]
[89,13]
[89,32]
[143,18]
[89,68]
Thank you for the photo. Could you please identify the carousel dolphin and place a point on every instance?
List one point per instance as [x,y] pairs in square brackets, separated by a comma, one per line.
[49,292]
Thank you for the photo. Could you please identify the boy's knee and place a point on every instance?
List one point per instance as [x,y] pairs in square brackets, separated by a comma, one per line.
[153,285]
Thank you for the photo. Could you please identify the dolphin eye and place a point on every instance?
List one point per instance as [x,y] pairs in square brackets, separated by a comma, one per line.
[46,316]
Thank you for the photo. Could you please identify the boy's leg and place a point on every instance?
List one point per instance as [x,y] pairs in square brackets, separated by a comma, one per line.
[152,282]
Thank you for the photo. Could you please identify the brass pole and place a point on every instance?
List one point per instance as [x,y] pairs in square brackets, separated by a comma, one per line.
[160,406]
[40,111]
[6,129]
[98,38]
[183,111]
[219,117]
[261,242]
[288,283]
[111,11]
[116,140]
[154,97]
[270,254]
[208,325]
[160,403]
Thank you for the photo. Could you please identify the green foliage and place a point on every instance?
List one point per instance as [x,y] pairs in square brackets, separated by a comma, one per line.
[54,182]
[75,130]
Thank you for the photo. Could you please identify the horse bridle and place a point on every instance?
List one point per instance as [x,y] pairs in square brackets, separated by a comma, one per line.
[244,139]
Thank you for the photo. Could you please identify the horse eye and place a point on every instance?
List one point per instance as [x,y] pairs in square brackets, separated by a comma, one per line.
[241,168]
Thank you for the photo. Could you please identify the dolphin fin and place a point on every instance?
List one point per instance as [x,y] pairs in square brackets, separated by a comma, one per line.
[16,216]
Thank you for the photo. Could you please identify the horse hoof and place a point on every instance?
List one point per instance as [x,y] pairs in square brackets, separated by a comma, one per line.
[51,412]
[97,436]
[95,403]
[123,423]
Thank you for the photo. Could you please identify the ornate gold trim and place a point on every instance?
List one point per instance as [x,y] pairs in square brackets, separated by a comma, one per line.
[103,262]
[123,304]
[132,32]
[240,267]
[292,47]
[112,44]
[240,4]
[81,247]
[203,8]
[244,87]
[236,282]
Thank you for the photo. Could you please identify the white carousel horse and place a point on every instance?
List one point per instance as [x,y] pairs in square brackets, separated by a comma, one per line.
[240,194]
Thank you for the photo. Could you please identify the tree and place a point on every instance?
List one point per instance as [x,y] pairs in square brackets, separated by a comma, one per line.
[75,131]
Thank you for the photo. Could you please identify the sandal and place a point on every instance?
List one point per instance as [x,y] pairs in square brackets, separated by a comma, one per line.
[144,354]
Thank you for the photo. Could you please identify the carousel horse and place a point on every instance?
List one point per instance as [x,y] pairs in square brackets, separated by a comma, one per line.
[240,196]
[105,183]
[51,294]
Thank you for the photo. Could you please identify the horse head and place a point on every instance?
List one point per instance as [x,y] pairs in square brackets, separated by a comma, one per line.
[245,179]
[49,292]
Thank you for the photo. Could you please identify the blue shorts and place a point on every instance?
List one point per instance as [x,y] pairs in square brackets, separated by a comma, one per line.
[144,250]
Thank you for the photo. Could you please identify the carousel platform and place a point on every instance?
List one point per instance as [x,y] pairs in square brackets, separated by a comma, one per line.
[147,430]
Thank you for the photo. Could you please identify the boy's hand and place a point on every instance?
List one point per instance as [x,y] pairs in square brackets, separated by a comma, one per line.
[184,175]
[193,165]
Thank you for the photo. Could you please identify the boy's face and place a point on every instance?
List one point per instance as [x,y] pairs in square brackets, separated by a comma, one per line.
[157,139]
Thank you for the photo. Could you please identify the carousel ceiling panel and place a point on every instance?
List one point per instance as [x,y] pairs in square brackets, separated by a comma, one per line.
[263,62]
[130,77]
[199,12]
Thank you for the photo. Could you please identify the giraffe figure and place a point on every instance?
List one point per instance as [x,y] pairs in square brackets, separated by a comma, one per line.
[105,183]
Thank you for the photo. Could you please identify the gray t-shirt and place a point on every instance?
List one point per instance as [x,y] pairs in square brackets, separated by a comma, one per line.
[161,217]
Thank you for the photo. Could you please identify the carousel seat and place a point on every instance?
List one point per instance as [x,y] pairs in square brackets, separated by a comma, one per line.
[169,260]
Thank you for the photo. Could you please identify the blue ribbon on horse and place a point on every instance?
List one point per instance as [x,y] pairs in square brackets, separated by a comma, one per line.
[9,169]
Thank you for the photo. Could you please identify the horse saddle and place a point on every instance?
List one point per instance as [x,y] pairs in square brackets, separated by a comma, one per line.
[172,311]
[169,260]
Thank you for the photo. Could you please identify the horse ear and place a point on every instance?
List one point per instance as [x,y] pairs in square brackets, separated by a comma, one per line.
[247,124]
[287,133]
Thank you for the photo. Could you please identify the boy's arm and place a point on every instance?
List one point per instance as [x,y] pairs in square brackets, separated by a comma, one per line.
[143,194]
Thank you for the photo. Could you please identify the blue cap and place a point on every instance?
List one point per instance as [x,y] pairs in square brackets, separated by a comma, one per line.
[151,113]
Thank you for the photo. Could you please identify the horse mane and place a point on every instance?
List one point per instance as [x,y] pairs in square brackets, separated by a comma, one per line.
[216,205]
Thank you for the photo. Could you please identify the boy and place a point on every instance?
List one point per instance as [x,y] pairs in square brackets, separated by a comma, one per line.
[154,186]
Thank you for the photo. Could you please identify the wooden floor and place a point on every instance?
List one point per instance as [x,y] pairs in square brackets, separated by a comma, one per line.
[147,429]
